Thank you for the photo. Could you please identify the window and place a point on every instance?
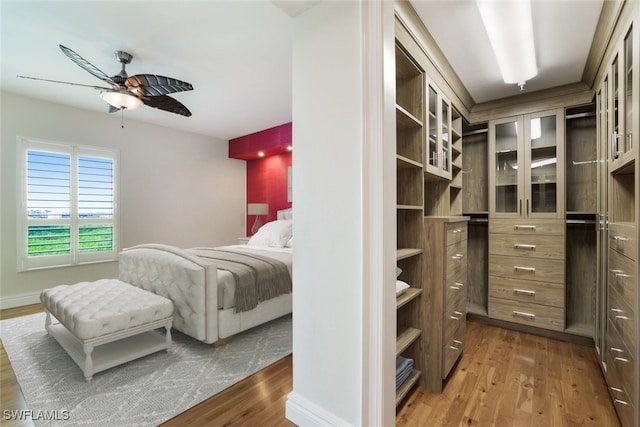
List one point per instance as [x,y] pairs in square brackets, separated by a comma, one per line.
[68,204]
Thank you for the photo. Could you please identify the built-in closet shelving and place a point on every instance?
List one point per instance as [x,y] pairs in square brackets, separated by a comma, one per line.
[410,194]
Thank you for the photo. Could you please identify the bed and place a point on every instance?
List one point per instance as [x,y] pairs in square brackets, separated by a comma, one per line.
[218,292]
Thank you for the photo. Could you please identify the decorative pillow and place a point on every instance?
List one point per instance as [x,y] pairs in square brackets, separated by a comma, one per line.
[285,214]
[398,272]
[289,243]
[273,234]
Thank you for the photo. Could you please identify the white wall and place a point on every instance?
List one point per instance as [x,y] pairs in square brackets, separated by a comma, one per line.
[327,270]
[176,187]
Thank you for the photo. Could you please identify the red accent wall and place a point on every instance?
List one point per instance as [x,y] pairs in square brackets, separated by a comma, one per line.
[267,183]
[268,156]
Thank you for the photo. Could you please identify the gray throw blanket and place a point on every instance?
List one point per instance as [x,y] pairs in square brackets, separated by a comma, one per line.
[258,278]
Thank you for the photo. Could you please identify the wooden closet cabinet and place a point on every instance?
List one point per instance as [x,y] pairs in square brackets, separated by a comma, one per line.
[526,220]
[446,281]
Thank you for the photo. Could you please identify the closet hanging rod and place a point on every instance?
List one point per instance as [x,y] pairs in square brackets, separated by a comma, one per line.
[580,115]
[475,132]
[583,162]
[580,221]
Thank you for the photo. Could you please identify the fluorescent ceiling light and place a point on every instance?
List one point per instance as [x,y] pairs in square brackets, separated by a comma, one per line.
[510,29]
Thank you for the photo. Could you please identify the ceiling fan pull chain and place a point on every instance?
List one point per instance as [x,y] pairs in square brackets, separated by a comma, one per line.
[122,118]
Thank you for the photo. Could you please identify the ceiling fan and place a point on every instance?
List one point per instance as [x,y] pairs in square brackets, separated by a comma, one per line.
[130,92]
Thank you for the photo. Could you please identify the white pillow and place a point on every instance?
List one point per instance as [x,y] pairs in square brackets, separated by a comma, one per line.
[285,214]
[274,234]
[401,287]
[289,243]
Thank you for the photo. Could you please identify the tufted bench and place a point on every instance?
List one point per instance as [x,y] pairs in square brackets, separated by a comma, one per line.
[117,320]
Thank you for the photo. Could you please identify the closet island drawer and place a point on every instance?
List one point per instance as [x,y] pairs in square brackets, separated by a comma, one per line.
[541,270]
[527,291]
[622,238]
[456,232]
[622,276]
[535,246]
[523,226]
[624,319]
[456,262]
[541,316]
[453,350]
[625,406]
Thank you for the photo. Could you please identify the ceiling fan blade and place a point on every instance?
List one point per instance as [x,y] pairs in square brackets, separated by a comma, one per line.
[87,66]
[153,85]
[164,102]
[66,83]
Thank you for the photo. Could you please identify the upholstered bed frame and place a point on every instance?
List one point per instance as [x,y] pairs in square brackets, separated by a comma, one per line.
[192,286]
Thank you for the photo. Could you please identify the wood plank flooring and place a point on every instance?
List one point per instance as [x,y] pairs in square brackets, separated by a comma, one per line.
[504,378]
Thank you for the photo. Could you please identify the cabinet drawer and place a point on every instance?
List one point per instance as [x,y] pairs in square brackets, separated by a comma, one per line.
[541,270]
[541,316]
[623,238]
[623,360]
[453,350]
[456,260]
[625,407]
[623,318]
[527,226]
[457,289]
[455,315]
[527,245]
[527,291]
[456,232]
[622,276]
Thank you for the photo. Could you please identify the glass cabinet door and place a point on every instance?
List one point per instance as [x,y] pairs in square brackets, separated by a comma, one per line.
[627,142]
[445,138]
[432,136]
[615,130]
[506,167]
[543,165]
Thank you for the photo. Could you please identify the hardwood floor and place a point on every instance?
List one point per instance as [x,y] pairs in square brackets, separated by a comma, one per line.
[504,378]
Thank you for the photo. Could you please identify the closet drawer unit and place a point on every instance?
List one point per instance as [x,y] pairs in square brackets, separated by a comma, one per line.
[622,238]
[453,350]
[456,261]
[456,232]
[625,406]
[541,316]
[527,291]
[624,320]
[455,315]
[534,246]
[623,360]
[541,270]
[457,289]
[523,226]
[622,276]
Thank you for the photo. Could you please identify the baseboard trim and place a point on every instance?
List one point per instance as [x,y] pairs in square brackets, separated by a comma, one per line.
[303,412]
[19,300]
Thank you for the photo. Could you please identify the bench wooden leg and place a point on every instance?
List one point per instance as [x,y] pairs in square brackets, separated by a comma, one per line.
[167,335]
[222,341]
[88,362]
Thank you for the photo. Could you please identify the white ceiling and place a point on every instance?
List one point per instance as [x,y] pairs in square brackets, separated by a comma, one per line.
[563,32]
[237,54]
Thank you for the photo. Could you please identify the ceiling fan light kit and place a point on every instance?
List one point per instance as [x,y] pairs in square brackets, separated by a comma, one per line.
[130,92]
[121,100]
[509,25]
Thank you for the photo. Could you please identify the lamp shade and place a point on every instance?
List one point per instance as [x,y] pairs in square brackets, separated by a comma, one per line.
[122,100]
[257,208]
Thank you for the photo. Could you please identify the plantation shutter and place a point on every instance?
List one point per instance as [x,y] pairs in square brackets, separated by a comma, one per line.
[69,205]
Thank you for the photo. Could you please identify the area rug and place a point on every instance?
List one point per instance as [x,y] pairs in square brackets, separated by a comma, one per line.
[144,392]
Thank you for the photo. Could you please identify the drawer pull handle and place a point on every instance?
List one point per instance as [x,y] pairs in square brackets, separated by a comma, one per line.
[615,271]
[524,315]
[622,359]
[526,292]
[623,402]
[617,350]
[457,315]
[524,227]
[616,310]
[616,389]
[524,246]
[622,317]
[620,238]
[457,257]
[456,345]
[622,275]
[458,230]
[457,286]
[527,269]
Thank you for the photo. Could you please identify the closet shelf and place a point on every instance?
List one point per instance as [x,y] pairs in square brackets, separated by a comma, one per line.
[406,386]
[406,338]
[403,253]
[409,295]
